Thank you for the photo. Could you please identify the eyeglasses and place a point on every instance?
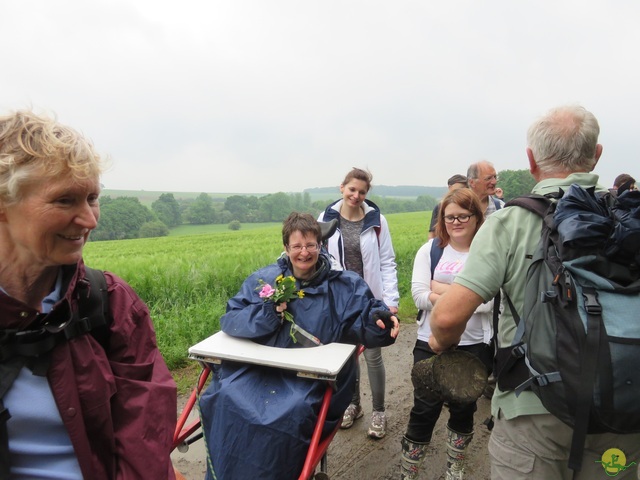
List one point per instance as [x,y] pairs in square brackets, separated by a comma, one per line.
[309,247]
[460,218]
[488,178]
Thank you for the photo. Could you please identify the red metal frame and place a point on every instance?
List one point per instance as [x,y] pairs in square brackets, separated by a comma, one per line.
[182,433]
[317,448]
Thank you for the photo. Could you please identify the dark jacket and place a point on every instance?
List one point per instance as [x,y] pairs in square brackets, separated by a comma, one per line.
[118,405]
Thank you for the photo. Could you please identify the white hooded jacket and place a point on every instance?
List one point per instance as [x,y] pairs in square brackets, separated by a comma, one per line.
[378,257]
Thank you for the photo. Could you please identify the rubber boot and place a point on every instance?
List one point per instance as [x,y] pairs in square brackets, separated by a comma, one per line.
[413,454]
[457,443]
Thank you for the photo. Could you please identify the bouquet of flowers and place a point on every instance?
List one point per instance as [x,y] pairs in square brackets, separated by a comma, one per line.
[284,291]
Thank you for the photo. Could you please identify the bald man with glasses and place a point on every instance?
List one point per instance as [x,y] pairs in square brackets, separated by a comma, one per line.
[482,178]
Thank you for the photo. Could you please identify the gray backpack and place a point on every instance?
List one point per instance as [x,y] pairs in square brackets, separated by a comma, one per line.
[577,345]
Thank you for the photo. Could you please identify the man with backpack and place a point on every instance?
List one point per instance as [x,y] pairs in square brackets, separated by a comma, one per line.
[527,441]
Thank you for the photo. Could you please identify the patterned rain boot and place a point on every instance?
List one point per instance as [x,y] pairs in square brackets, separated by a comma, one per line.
[457,443]
[413,454]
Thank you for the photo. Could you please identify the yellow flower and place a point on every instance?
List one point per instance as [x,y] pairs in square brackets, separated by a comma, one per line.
[284,291]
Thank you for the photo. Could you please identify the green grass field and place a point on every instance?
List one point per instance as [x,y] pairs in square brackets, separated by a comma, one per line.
[183,230]
[187,278]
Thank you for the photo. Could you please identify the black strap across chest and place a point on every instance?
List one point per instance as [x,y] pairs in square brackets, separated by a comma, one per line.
[31,348]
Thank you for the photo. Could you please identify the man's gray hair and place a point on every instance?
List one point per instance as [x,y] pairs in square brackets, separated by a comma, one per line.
[565,140]
[474,169]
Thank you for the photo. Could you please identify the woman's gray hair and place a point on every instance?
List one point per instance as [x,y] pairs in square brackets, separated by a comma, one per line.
[36,147]
[565,140]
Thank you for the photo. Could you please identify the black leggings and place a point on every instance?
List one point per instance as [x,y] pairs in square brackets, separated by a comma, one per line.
[426,410]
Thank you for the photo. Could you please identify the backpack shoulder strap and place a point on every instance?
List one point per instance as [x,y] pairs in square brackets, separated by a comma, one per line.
[435,254]
[538,204]
[9,371]
[509,365]
[94,314]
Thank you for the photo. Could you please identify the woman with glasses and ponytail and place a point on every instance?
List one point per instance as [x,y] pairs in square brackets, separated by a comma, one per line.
[435,266]
[362,244]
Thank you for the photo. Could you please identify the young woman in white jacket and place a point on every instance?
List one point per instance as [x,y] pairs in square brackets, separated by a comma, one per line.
[459,219]
[362,243]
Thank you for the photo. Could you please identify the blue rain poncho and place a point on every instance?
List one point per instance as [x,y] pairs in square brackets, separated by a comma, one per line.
[258,421]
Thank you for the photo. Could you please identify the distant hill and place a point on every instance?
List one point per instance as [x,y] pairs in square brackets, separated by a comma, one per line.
[409,192]
[147,197]
[398,191]
[153,195]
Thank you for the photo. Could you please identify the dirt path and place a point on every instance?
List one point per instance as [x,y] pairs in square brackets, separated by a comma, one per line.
[354,456]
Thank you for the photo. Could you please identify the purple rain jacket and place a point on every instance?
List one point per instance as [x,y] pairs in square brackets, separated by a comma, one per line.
[119,405]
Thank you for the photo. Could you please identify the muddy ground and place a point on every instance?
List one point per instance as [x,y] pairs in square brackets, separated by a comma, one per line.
[354,456]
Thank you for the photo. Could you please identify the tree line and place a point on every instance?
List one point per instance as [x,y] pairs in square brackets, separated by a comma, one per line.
[126,217]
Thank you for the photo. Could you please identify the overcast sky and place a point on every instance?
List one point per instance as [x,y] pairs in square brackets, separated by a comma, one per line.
[259,96]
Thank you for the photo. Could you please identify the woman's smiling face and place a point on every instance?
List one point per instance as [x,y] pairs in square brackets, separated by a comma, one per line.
[354,192]
[458,231]
[50,224]
[303,261]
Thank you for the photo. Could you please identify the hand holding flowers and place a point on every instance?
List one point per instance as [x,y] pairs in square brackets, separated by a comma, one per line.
[285,291]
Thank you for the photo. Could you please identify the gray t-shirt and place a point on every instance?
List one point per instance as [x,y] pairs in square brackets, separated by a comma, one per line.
[351,240]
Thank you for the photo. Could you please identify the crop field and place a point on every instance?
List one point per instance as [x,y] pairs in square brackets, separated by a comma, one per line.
[215,228]
[186,280]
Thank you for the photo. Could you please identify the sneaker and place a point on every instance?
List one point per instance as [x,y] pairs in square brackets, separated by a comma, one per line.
[378,427]
[351,414]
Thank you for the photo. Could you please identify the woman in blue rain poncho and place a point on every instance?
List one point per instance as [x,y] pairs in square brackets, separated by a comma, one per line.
[258,421]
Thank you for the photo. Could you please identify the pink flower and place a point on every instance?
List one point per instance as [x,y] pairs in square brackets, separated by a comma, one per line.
[267,291]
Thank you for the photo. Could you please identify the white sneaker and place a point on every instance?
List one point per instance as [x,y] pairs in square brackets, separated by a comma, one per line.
[378,427]
[351,414]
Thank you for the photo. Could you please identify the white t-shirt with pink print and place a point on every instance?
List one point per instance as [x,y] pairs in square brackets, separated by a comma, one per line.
[479,328]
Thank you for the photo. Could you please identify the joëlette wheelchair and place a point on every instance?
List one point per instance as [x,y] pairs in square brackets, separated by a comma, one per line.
[322,363]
